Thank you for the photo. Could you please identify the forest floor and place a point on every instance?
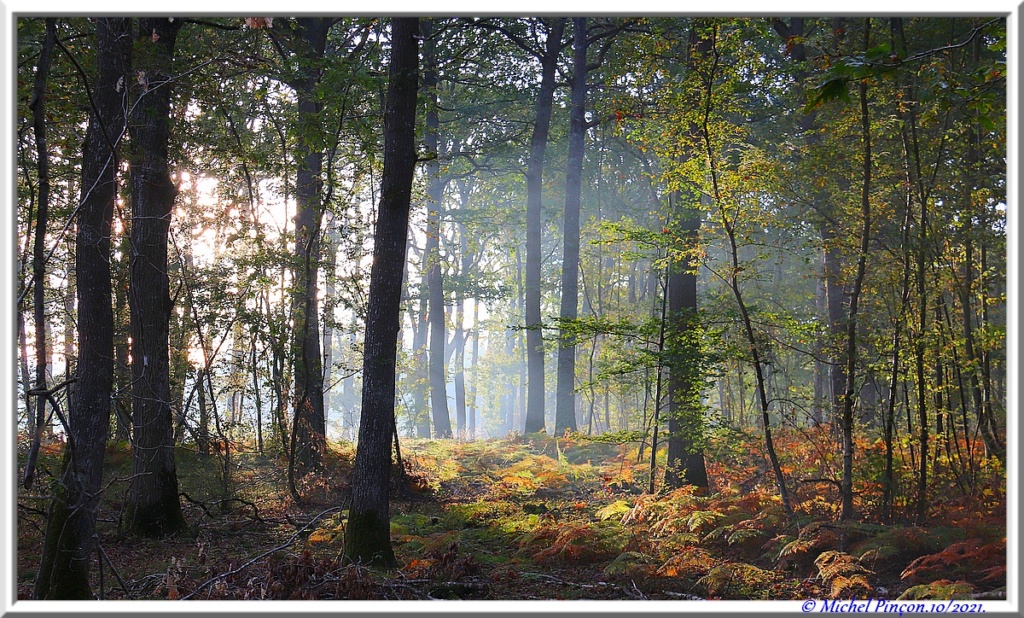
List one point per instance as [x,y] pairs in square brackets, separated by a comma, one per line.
[537,518]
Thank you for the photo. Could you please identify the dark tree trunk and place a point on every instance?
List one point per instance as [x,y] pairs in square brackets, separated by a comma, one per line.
[203,431]
[534,185]
[846,485]
[685,425]
[367,537]
[565,403]
[834,301]
[121,280]
[153,508]
[435,278]
[38,106]
[309,423]
[71,525]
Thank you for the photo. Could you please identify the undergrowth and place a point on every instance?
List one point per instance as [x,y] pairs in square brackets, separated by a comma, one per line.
[536,517]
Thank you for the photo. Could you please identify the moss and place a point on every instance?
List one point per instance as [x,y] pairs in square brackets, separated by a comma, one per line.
[368,540]
[63,574]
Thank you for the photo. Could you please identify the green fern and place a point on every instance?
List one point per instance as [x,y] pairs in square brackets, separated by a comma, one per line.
[739,580]
[941,589]
[699,519]
[616,509]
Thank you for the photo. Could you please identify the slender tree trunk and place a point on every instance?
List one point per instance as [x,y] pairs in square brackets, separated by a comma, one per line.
[460,377]
[889,421]
[435,278]
[69,543]
[26,377]
[367,536]
[203,432]
[474,369]
[153,508]
[656,417]
[420,371]
[820,367]
[256,395]
[331,279]
[38,106]
[309,422]
[846,485]
[565,404]
[707,45]
[534,186]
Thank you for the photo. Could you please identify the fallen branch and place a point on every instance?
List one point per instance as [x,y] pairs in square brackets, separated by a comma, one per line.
[838,484]
[253,561]
[33,453]
[255,509]
[117,575]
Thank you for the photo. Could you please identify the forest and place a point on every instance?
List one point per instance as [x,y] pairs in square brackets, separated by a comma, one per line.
[506,308]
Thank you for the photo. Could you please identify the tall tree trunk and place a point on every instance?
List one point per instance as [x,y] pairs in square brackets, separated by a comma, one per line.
[203,431]
[435,278]
[37,421]
[471,408]
[121,280]
[331,279]
[820,367]
[367,536]
[686,426]
[846,485]
[421,378]
[565,403]
[153,508]
[309,423]
[656,416]
[708,45]
[889,420]
[534,186]
[71,525]
[257,395]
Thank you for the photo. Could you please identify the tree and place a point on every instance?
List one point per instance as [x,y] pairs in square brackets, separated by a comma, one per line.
[534,186]
[432,252]
[368,534]
[153,508]
[71,522]
[565,406]
[309,431]
[38,106]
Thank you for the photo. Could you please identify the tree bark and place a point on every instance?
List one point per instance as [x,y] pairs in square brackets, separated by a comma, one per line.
[153,508]
[565,402]
[534,421]
[435,278]
[71,525]
[846,485]
[685,424]
[38,106]
[367,537]
[309,423]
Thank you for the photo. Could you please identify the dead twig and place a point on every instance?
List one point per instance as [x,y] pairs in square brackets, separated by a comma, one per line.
[263,555]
